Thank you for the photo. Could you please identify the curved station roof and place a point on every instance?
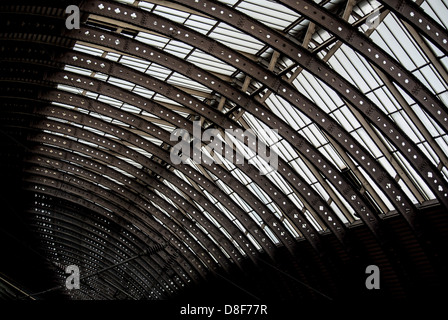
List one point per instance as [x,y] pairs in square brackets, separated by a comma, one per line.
[299,121]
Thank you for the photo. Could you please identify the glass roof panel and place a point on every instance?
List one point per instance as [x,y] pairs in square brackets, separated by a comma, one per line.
[391,35]
[270,13]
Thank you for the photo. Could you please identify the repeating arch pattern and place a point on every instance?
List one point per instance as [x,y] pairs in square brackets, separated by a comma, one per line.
[104,100]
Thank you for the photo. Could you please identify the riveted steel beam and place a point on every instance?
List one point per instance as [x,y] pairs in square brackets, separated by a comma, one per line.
[113,236]
[407,212]
[421,21]
[384,62]
[84,189]
[323,72]
[171,113]
[335,220]
[373,53]
[129,153]
[107,255]
[117,242]
[71,256]
[178,32]
[295,215]
[330,122]
[87,174]
[100,156]
[140,232]
[59,189]
[178,121]
[157,113]
[217,171]
[78,253]
[409,111]
[97,167]
[351,198]
[75,239]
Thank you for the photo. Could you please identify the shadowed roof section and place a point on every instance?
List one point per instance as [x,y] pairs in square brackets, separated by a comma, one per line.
[348,99]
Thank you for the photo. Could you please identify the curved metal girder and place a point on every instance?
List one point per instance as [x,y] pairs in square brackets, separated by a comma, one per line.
[80,253]
[71,256]
[123,240]
[106,254]
[114,203]
[388,65]
[140,233]
[67,80]
[323,204]
[420,20]
[61,220]
[407,213]
[114,145]
[125,155]
[349,199]
[57,187]
[45,181]
[233,207]
[388,186]
[126,227]
[166,158]
[117,242]
[90,173]
[373,53]
[340,85]
[107,258]
[252,106]
[100,155]
[302,189]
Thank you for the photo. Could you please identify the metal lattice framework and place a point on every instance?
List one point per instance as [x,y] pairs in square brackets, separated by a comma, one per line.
[361,130]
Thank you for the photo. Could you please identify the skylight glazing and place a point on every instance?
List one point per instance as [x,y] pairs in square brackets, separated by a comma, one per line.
[138,117]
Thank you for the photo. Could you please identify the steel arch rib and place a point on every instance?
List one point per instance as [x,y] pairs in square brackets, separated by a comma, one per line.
[335,81]
[419,19]
[65,168]
[63,187]
[62,94]
[357,201]
[66,216]
[373,53]
[80,252]
[72,237]
[100,155]
[302,143]
[83,188]
[86,225]
[139,190]
[77,229]
[74,98]
[124,151]
[144,235]
[154,165]
[69,82]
